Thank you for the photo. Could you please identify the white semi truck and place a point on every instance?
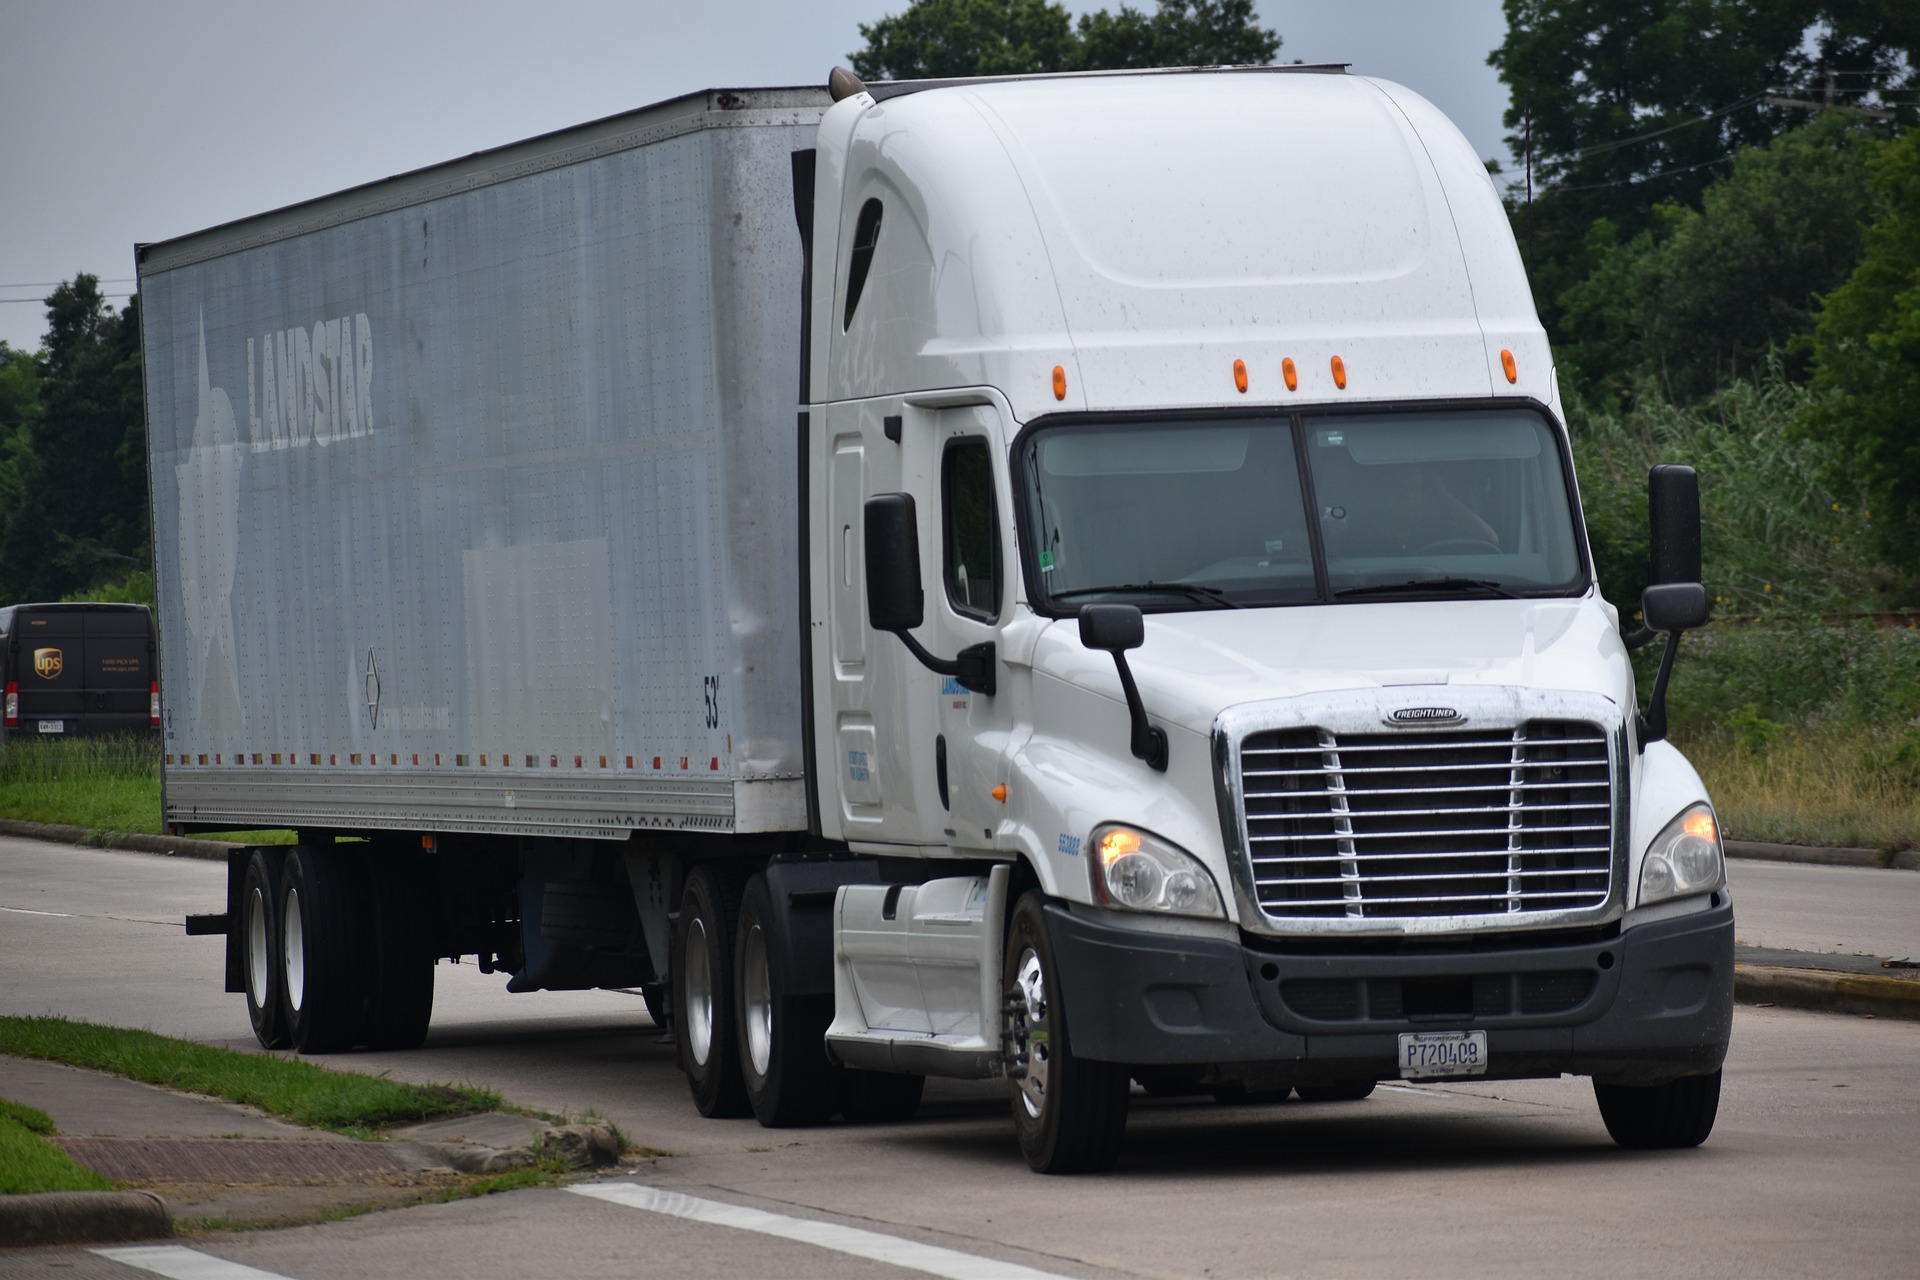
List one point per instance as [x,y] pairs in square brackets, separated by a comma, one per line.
[1076,580]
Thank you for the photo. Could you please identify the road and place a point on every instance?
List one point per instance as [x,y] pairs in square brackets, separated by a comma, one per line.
[1808,1173]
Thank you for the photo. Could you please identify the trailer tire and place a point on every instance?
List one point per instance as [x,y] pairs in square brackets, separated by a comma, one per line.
[1679,1113]
[704,1030]
[1070,1113]
[880,1097]
[259,941]
[322,962]
[400,978]
[789,1079]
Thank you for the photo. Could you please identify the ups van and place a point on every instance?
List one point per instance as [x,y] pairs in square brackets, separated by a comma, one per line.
[75,670]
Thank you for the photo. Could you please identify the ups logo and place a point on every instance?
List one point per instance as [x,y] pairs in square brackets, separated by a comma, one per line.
[48,663]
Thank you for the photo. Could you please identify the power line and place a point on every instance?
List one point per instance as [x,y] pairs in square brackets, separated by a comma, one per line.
[1617,143]
[1649,177]
[55,284]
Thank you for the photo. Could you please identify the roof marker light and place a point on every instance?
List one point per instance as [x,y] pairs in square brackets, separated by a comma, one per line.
[1508,367]
[1340,373]
[1059,382]
[1000,793]
[1240,376]
[1291,374]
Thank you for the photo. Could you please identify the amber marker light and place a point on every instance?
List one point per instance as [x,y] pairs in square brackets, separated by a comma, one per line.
[1000,793]
[1240,376]
[1700,826]
[1291,374]
[1508,367]
[1116,844]
[1059,382]
[1340,373]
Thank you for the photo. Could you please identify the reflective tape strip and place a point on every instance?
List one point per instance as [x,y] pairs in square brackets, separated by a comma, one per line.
[911,1255]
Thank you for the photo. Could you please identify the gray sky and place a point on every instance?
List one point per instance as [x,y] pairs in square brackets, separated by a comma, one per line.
[129,121]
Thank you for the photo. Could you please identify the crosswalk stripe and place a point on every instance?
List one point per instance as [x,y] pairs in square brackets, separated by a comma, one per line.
[910,1254]
[178,1263]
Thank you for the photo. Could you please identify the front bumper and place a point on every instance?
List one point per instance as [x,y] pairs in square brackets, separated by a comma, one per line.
[1635,1006]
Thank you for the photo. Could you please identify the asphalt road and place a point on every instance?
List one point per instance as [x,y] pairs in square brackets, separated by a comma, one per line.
[1808,1173]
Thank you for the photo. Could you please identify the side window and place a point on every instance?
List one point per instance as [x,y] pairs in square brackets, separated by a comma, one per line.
[866,234]
[971,530]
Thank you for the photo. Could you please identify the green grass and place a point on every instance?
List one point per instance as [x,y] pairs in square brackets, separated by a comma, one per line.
[101,784]
[1823,784]
[29,1162]
[298,1091]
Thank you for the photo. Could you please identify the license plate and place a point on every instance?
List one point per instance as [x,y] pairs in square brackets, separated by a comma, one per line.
[1425,1054]
[53,726]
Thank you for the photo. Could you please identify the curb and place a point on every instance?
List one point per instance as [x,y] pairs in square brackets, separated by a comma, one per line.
[1903,860]
[168,846]
[1818,989]
[82,1217]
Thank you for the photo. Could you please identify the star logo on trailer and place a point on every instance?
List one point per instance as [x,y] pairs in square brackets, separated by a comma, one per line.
[48,663]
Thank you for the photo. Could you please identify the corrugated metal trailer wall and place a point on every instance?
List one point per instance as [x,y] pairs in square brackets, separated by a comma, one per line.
[474,490]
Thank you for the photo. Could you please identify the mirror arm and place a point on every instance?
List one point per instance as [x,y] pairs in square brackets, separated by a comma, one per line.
[1147,742]
[1653,725]
[1640,639]
[973,667]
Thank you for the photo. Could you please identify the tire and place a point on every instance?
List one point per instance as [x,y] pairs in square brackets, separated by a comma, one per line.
[789,1079]
[1070,1114]
[322,954]
[401,914]
[705,1030]
[259,926]
[1339,1091]
[1646,1117]
[880,1097]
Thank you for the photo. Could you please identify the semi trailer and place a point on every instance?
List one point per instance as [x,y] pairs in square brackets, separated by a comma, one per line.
[1076,580]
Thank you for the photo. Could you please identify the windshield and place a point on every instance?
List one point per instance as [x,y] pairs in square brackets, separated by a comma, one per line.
[1214,514]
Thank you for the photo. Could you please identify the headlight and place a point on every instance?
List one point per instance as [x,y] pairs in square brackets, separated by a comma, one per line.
[1141,872]
[1684,859]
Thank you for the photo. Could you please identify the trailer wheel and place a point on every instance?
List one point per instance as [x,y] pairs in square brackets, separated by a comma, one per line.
[321,961]
[1678,1114]
[790,1081]
[400,977]
[703,992]
[259,927]
[1070,1113]
[880,1097]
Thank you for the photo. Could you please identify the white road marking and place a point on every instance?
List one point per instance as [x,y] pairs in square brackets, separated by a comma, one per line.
[183,1264]
[22,911]
[928,1258]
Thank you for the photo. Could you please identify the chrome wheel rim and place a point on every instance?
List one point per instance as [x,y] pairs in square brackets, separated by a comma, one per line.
[756,1004]
[257,957]
[293,951]
[699,1012]
[1030,994]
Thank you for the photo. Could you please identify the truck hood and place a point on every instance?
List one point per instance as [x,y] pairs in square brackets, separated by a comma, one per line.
[1195,665]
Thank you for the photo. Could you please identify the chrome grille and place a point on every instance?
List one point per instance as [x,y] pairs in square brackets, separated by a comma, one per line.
[1369,826]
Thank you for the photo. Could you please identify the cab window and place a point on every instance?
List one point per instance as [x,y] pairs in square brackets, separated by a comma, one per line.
[971,523]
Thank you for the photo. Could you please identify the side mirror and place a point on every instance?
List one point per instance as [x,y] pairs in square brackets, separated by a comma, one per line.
[1673,512]
[1117,628]
[895,600]
[1675,606]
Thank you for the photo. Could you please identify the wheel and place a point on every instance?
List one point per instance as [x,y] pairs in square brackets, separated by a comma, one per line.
[400,972]
[880,1097]
[703,993]
[1677,1114]
[789,1079]
[260,947]
[1339,1091]
[322,957]
[1070,1114]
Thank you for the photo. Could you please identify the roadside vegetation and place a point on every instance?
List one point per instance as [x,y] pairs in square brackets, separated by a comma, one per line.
[296,1091]
[30,1161]
[99,784]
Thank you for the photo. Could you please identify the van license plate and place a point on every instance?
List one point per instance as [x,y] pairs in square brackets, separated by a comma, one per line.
[1443,1053]
[53,726]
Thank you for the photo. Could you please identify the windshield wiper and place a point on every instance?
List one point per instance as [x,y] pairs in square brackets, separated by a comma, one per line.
[1191,590]
[1461,585]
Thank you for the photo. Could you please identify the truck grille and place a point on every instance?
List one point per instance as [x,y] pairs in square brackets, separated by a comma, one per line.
[1459,823]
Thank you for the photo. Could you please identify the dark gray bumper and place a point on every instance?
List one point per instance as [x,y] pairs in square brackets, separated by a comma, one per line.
[1644,1006]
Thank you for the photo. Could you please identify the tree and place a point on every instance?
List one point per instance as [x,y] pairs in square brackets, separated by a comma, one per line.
[1866,360]
[938,39]
[1702,297]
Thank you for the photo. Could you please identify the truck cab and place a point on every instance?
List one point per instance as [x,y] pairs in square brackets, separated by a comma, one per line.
[1257,689]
